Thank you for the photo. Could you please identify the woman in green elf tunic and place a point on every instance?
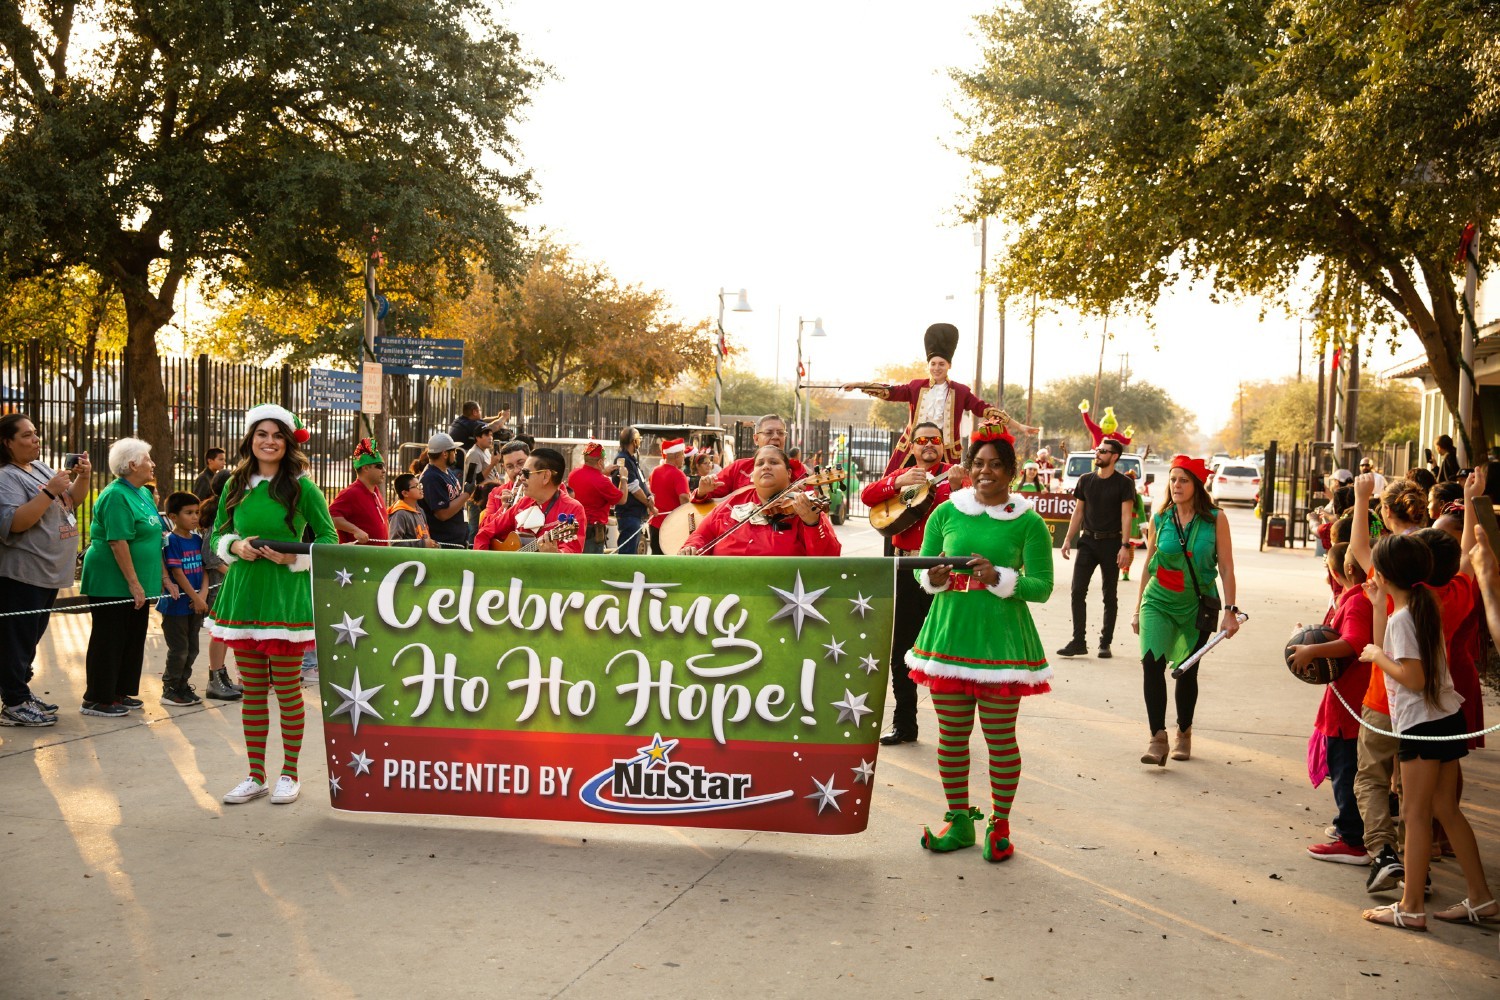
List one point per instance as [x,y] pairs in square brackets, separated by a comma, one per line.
[1167,606]
[978,651]
[264,608]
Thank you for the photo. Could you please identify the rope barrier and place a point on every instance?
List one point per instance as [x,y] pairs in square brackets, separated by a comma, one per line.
[1409,736]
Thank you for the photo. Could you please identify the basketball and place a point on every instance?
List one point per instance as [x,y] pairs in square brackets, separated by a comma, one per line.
[1323,670]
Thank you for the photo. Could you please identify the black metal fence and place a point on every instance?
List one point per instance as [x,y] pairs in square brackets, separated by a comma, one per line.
[85,404]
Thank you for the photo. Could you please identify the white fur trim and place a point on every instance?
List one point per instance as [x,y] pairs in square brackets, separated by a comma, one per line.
[925,583]
[1006,585]
[222,545]
[301,564]
[269,411]
[968,503]
[256,479]
[290,635]
[1007,675]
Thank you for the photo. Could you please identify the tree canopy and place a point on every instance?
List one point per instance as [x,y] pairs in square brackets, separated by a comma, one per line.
[567,322]
[1127,143]
[255,143]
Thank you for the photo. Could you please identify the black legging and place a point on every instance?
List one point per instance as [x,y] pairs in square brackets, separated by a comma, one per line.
[1154,673]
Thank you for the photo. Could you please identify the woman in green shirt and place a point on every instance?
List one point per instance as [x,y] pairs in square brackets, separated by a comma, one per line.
[122,571]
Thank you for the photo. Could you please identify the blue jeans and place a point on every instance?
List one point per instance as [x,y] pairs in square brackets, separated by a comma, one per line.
[629,529]
[1343,763]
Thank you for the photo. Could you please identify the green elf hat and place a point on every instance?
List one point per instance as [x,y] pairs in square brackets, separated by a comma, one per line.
[365,454]
[270,411]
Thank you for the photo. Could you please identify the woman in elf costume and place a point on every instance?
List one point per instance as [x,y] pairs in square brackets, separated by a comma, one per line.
[979,651]
[264,608]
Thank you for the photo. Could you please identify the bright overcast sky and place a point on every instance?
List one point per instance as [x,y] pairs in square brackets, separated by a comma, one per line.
[803,151]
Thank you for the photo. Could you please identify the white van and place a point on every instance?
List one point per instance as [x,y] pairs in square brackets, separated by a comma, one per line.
[1079,462]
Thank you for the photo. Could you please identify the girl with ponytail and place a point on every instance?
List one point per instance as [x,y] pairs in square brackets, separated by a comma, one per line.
[1409,649]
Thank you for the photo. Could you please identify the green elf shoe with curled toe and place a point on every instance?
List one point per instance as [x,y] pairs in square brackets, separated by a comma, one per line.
[997,845]
[958,834]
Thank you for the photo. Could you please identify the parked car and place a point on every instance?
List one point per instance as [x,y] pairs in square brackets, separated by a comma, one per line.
[1236,481]
[1079,462]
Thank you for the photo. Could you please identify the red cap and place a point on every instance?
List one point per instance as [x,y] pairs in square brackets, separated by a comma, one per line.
[593,448]
[675,444]
[1192,466]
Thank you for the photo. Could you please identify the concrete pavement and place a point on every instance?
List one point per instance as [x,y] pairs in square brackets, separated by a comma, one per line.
[126,877]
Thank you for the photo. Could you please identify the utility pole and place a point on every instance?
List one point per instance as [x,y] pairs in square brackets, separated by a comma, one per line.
[1103,339]
[1000,379]
[1031,375]
[1242,418]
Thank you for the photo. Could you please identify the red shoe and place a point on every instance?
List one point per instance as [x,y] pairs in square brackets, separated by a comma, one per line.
[1340,852]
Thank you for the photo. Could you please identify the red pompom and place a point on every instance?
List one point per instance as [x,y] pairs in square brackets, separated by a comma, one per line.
[301,435]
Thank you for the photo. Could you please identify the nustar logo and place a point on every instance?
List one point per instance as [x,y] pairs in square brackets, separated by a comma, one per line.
[651,782]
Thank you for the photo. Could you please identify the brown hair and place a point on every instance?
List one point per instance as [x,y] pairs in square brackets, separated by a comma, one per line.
[1406,501]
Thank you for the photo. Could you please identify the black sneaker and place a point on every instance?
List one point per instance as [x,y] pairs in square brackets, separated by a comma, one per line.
[110,710]
[1074,648]
[180,696]
[132,703]
[1426,889]
[1386,871]
[1104,653]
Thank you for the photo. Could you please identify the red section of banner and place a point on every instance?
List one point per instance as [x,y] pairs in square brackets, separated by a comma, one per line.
[653,780]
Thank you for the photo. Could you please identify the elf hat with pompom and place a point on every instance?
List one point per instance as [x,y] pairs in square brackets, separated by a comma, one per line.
[283,416]
[365,454]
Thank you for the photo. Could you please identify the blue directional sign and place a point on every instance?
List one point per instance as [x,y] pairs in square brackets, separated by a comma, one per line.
[421,356]
[331,390]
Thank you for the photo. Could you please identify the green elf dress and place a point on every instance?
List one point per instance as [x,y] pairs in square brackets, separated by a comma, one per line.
[1169,607]
[263,606]
[981,640]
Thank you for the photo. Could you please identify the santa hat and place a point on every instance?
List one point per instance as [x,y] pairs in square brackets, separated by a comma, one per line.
[280,414]
[673,446]
[365,454]
[941,341]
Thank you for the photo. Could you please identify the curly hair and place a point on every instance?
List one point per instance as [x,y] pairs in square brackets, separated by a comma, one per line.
[1406,501]
[1004,451]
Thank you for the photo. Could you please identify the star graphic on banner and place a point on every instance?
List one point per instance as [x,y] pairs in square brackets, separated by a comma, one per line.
[861,605]
[853,706]
[864,772]
[344,577]
[333,785]
[835,650]
[360,762]
[658,752]
[350,631]
[827,795]
[356,701]
[798,604]
[869,664]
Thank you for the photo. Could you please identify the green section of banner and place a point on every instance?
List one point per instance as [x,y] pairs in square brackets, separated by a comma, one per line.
[782,650]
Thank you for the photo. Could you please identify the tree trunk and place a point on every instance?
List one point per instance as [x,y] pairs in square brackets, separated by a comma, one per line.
[144,316]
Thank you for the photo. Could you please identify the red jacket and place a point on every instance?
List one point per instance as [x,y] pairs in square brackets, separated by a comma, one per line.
[882,490]
[752,539]
[736,475]
[961,400]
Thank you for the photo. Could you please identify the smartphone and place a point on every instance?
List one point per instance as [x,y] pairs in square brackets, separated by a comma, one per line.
[1484,511]
[72,460]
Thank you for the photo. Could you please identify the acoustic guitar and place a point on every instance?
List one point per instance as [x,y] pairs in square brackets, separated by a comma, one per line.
[675,528]
[565,531]
[905,509]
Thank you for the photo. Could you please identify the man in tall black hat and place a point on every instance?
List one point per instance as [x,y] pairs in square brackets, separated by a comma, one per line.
[938,401]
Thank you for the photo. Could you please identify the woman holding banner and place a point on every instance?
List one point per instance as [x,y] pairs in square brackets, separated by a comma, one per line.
[747,524]
[979,652]
[264,608]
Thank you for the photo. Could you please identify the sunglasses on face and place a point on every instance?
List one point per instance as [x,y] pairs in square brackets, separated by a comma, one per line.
[927,439]
[524,473]
[1105,451]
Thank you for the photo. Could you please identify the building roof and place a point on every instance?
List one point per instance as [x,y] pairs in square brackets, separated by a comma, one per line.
[1487,346]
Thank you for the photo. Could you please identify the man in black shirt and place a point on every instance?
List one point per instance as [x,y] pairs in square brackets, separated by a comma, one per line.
[1101,523]
[470,422]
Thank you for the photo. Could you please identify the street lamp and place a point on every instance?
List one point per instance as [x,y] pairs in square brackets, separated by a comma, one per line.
[804,408]
[741,305]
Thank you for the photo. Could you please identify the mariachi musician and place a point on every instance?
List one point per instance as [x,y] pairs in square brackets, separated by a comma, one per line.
[746,524]
[938,400]
[769,430]
[912,602]
[544,507]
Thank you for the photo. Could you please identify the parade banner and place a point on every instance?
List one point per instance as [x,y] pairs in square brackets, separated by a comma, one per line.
[693,691]
[1057,510]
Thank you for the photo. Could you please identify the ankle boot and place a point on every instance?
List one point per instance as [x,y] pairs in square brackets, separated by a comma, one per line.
[219,687]
[958,834]
[997,845]
[1182,747]
[1156,753]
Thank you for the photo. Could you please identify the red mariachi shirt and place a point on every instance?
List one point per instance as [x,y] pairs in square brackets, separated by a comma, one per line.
[794,539]
[668,484]
[364,508]
[595,491]
[496,502]
[736,475]
[882,490]
[503,522]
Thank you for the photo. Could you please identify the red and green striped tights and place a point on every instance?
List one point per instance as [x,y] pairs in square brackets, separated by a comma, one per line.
[997,720]
[258,673]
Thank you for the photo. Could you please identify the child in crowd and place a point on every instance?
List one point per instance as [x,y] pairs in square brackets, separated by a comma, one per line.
[408,521]
[182,616]
[1352,617]
[1409,649]
[220,686]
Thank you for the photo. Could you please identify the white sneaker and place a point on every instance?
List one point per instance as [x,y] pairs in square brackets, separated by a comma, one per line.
[287,790]
[245,791]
